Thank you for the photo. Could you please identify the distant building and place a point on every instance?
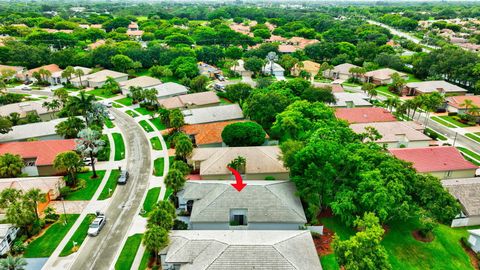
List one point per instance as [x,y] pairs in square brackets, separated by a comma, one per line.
[457,103]
[145,82]
[42,131]
[350,100]
[340,72]
[99,78]
[54,78]
[170,89]
[309,66]
[17,69]
[382,76]
[24,108]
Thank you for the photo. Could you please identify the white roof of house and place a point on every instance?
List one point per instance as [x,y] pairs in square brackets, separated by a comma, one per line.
[475,232]
[260,159]
[23,108]
[33,130]
[4,229]
[343,68]
[102,76]
[170,89]
[435,86]
[142,81]
[384,73]
[276,67]
[198,99]
[265,201]
[358,99]
[242,249]
[391,131]
[213,114]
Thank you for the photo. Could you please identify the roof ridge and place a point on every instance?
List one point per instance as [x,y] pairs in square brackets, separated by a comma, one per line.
[281,253]
[214,160]
[267,154]
[281,199]
[214,198]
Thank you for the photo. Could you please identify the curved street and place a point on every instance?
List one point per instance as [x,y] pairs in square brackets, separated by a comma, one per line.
[100,252]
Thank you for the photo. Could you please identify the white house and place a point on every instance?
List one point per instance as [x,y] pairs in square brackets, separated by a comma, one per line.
[272,68]
[350,100]
[8,233]
[474,240]
[213,114]
[99,78]
[170,89]
[145,82]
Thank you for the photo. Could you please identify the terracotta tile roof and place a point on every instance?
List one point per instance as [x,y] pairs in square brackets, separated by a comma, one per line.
[364,115]
[52,68]
[44,151]
[384,73]
[455,101]
[207,133]
[434,159]
[195,99]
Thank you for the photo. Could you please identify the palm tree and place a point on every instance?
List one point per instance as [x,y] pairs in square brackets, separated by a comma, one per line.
[35,196]
[71,163]
[183,146]
[155,239]
[467,103]
[392,102]
[79,73]
[68,72]
[70,127]
[13,263]
[239,164]
[89,143]
[175,180]
[14,117]
[81,103]
[44,74]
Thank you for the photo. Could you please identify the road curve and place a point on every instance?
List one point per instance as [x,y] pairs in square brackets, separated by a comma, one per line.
[99,252]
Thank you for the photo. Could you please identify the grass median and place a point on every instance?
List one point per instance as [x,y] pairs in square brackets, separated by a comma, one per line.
[129,250]
[78,237]
[110,186]
[146,126]
[119,146]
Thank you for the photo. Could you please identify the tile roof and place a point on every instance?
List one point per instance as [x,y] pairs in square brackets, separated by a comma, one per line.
[391,131]
[357,99]
[383,73]
[169,89]
[364,115]
[467,191]
[142,81]
[241,250]
[435,86]
[456,101]
[213,114]
[196,99]
[434,159]
[44,151]
[265,201]
[52,68]
[208,133]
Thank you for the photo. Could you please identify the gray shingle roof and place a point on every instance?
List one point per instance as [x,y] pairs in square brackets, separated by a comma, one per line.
[213,114]
[467,191]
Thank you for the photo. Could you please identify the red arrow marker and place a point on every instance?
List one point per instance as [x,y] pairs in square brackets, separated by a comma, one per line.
[239,185]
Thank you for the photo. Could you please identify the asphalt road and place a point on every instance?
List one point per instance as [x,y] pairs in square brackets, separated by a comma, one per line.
[99,252]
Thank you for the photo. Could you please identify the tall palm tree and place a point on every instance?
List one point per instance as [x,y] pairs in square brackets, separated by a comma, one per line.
[81,103]
[68,72]
[13,263]
[467,103]
[79,73]
[34,197]
[89,143]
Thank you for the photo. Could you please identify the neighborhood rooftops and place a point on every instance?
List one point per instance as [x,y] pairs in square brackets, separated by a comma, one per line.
[52,68]
[383,73]
[345,99]
[364,115]
[101,76]
[458,101]
[14,68]
[240,250]
[49,185]
[466,191]
[23,108]
[44,151]
[196,99]
[213,114]
[434,159]
[265,201]
[343,68]
[435,86]
[33,130]
[169,89]
[142,81]
[209,133]
[390,131]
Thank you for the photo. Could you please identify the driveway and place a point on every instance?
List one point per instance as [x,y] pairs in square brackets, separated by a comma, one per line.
[99,252]
[247,78]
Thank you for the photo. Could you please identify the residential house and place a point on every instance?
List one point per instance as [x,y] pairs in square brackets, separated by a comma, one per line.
[261,162]
[261,205]
[309,66]
[134,31]
[96,44]
[474,240]
[170,89]
[286,48]
[275,38]
[397,134]
[8,234]
[272,68]
[457,103]
[209,70]
[145,82]
[364,115]
[195,100]
[42,131]
[382,76]
[53,79]
[340,72]
[335,87]
[466,191]
[301,42]
[38,156]
[202,250]
[350,100]
[17,69]
[427,87]
[213,114]
[24,108]
[240,68]
[99,78]
[442,161]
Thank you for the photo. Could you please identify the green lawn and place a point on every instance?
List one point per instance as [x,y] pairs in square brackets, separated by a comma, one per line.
[384,90]
[110,186]
[158,123]
[144,262]
[109,123]
[453,121]
[143,111]
[101,93]
[91,185]
[168,192]
[119,146]
[442,121]
[444,252]
[225,101]
[78,236]
[116,105]
[129,250]
[473,137]
[151,199]
[44,245]
[125,101]
[131,113]
[431,132]
[469,152]
[412,78]
[146,126]
[156,144]
[158,166]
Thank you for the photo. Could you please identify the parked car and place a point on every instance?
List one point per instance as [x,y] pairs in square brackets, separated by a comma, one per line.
[26,88]
[97,224]
[88,161]
[107,103]
[111,116]
[219,87]
[220,77]
[122,180]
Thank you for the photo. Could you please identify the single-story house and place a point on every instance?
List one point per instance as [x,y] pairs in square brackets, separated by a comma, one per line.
[261,162]
[208,70]
[350,100]
[145,82]
[427,87]
[336,87]
[272,68]
[41,131]
[237,249]
[170,89]
[382,76]
[53,79]
[8,234]
[442,161]
[195,100]
[340,72]
[24,108]
[38,156]
[466,191]
[364,115]
[17,69]
[287,48]
[474,240]
[213,114]
[240,68]
[397,134]
[96,44]
[457,103]
[135,34]
[261,205]
[309,66]
[301,42]
[97,79]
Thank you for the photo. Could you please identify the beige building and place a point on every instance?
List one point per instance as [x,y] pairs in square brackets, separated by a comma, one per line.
[382,76]
[428,87]
[309,66]
[24,108]
[145,82]
[340,72]
[99,78]
[196,100]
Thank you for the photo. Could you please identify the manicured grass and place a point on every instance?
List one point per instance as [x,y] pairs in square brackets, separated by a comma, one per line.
[469,152]
[383,90]
[111,185]
[116,105]
[412,78]
[146,126]
[101,93]
[119,146]
[158,123]
[129,250]
[44,245]
[430,132]
[158,166]
[144,262]
[225,101]
[156,144]
[131,113]
[143,111]
[444,252]
[351,84]
[473,137]
[329,262]
[453,121]
[104,154]
[151,199]
[443,122]
[109,123]
[78,236]
[168,193]
[125,101]
[91,185]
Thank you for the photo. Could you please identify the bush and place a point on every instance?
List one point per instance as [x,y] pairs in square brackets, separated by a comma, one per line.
[243,134]
[18,245]
[64,191]
[270,178]
[36,227]
[50,215]
[179,225]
